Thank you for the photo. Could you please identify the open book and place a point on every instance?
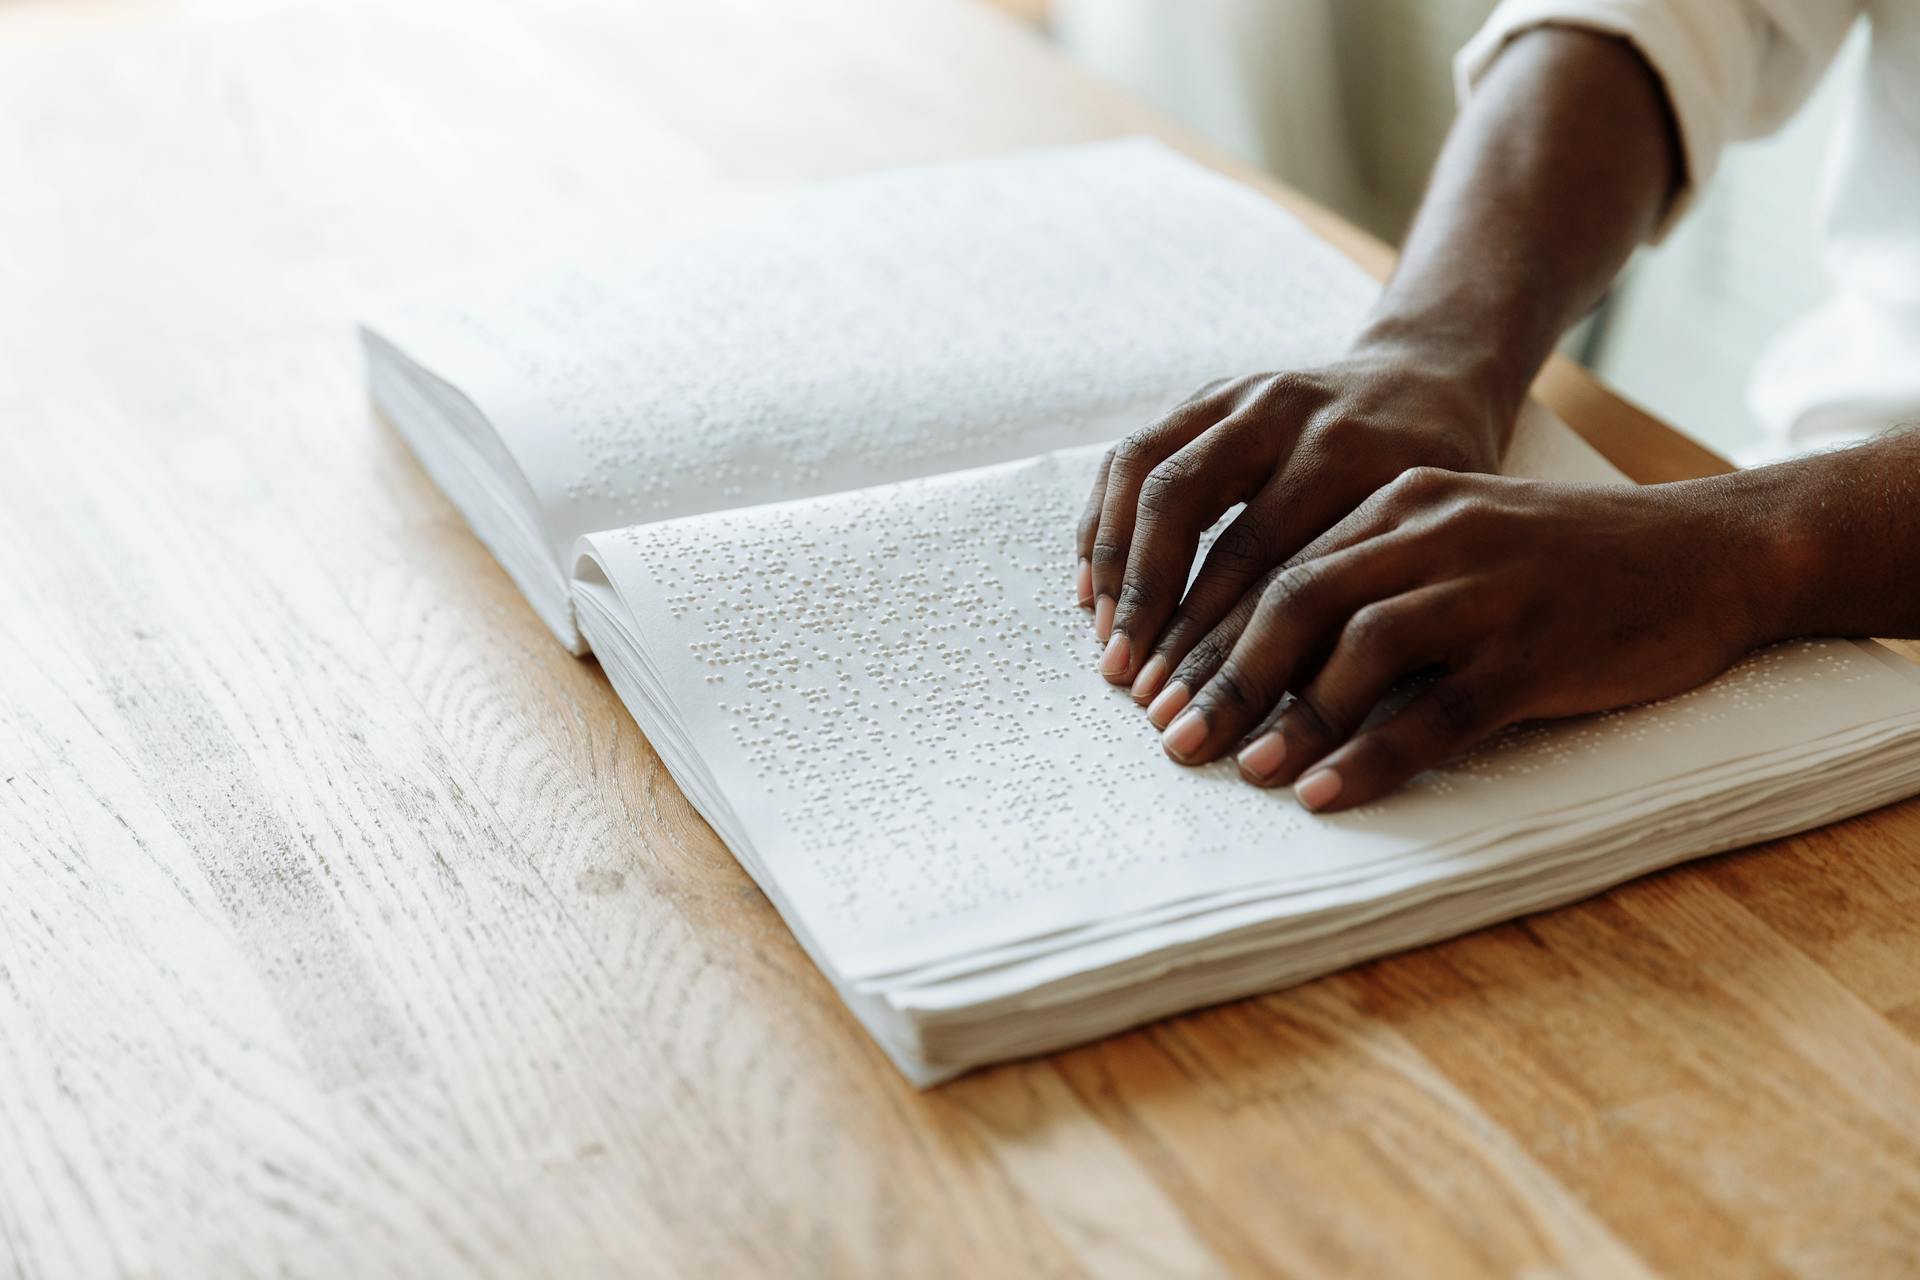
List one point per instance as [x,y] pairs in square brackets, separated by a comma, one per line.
[805,483]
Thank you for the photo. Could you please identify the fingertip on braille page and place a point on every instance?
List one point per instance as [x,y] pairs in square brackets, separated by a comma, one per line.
[1117,656]
[1152,675]
[1083,583]
[1164,708]
[1263,757]
[1103,617]
[1319,788]
[1185,735]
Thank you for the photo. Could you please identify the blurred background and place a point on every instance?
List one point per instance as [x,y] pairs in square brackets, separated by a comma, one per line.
[1348,101]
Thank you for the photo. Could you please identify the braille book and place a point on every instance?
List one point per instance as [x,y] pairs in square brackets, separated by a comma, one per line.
[805,481]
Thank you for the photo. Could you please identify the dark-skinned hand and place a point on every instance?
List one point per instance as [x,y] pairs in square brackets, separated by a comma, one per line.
[1301,450]
[1525,600]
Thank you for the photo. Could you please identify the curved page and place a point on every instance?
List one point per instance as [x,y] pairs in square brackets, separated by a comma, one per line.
[878,328]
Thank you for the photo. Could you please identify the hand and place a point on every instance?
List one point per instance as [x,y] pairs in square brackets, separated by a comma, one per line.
[1528,599]
[1302,450]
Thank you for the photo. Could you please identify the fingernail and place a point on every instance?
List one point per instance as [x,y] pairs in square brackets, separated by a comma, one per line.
[1318,789]
[1147,683]
[1103,616]
[1264,756]
[1184,736]
[1119,651]
[1167,705]
[1083,583]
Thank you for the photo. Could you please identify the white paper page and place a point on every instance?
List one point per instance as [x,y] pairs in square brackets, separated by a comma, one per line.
[882,327]
[1697,815]
[897,696]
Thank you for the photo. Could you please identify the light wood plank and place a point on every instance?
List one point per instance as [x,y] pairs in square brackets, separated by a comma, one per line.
[349,927]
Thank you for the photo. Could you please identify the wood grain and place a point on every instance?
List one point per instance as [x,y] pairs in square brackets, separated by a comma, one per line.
[348,927]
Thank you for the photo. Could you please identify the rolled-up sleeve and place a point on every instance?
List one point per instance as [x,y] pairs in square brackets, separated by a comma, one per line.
[1733,69]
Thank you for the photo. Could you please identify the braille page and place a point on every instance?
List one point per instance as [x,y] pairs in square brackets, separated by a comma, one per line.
[882,327]
[896,696]
[1756,797]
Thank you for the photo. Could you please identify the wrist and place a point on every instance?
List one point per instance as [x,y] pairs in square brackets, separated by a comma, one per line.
[1481,393]
[1747,532]
[1795,562]
[1475,369]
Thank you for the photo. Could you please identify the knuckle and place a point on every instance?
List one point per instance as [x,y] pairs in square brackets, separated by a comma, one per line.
[1230,689]
[1138,452]
[1241,547]
[1288,385]
[1137,594]
[1342,434]
[1292,588]
[1239,389]
[1376,631]
[1291,398]
[1109,554]
[1201,661]
[1422,484]
[1470,512]
[1161,491]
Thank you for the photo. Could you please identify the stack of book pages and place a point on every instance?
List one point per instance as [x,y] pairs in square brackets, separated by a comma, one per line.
[805,482]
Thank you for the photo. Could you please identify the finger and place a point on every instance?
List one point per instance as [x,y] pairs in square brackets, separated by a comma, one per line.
[1180,500]
[1204,658]
[1443,720]
[1258,542]
[1380,645]
[1133,460]
[1234,567]
[1083,535]
[1298,617]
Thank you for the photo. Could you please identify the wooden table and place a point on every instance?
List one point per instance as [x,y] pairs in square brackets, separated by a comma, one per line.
[349,928]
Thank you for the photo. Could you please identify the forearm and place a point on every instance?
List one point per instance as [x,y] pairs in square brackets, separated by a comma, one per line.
[1560,165]
[1832,540]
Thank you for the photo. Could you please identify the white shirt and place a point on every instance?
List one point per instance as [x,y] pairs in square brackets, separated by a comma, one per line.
[1736,69]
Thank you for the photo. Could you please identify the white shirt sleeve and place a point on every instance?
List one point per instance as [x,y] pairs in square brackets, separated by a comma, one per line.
[1733,69]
